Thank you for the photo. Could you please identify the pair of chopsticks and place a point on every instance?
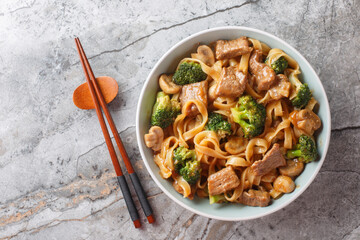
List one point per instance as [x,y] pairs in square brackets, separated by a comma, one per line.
[98,97]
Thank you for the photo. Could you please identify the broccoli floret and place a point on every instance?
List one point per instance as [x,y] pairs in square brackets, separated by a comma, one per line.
[176,107]
[250,115]
[279,65]
[191,171]
[305,150]
[218,124]
[302,97]
[186,164]
[217,199]
[302,94]
[189,72]
[181,155]
[164,110]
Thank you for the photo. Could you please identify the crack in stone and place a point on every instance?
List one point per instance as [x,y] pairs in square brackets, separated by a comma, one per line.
[206,228]
[305,12]
[348,233]
[183,225]
[59,221]
[169,27]
[345,128]
[44,189]
[28,6]
[93,148]
[155,195]
[83,154]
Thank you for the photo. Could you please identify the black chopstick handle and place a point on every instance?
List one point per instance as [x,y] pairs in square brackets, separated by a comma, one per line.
[141,194]
[128,199]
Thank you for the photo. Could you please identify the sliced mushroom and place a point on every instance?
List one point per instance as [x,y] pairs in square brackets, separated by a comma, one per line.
[154,138]
[204,54]
[269,177]
[167,85]
[292,168]
[235,145]
[284,184]
[211,93]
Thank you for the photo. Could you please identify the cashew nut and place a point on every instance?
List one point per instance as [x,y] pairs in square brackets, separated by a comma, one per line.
[154,138]
[167,85]
[204,54]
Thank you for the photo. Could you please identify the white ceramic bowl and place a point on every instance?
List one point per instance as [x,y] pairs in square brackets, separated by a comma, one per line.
[168,63]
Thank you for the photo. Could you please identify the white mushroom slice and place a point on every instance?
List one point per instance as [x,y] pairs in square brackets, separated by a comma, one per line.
[284,184]
[292,168]
[154,138]
[204,54]
[235,145]
[167,85]
[211,93]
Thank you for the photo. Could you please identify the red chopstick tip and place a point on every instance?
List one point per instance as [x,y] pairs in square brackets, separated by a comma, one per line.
[151,219]
[137,223]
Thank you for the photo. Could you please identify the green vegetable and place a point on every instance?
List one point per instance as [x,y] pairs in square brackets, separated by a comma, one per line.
[189,72]
[164,110]
[191,171]
[305,150]
[302,97]
[217,199]
[218,124]
[250,115]
[279,65]
[186,164]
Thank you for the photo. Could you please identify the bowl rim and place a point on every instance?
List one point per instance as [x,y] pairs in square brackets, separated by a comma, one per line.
[326,105]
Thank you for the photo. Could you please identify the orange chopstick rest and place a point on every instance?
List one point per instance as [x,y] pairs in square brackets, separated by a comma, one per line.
[82,96]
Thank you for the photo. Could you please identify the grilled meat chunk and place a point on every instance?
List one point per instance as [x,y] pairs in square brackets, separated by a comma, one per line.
[255,198]
[232,83]
[264,75]
[272,159]
[223,181]
[197,91]
[229,49]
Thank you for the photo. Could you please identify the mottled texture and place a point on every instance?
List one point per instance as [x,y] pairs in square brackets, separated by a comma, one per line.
[56,178]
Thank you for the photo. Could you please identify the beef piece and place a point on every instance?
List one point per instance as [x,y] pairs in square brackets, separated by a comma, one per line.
[232,83]
[264,75]
[255,198]
[281,87]
[305,120]
[229,49]
[222,181]
[197,91]
[272,159]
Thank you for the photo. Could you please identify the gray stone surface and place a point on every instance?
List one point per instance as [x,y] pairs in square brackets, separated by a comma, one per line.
[56,179]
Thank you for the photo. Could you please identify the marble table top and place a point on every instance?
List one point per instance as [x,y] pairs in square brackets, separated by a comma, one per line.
[56,178]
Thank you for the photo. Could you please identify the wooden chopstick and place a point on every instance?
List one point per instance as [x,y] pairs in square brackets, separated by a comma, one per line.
[99,97]
[121,179]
